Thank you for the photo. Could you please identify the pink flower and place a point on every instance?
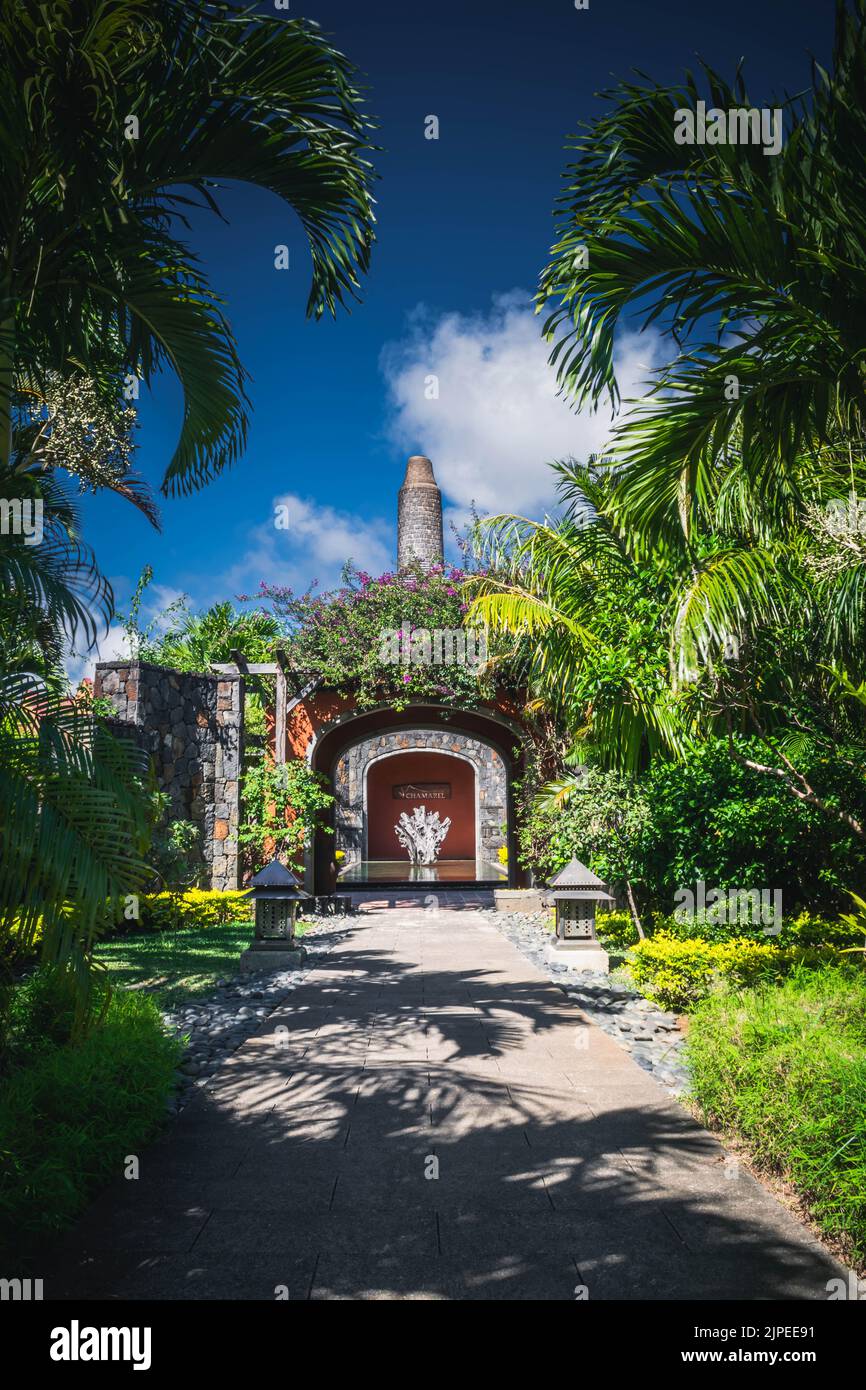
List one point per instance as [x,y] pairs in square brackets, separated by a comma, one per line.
[406,678]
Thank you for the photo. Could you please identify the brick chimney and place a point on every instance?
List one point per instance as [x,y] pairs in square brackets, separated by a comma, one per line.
[419,516]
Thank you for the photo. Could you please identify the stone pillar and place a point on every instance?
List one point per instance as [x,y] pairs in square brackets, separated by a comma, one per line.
[419,516]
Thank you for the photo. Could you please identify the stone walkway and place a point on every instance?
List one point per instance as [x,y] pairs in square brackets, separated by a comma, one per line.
[427,1116]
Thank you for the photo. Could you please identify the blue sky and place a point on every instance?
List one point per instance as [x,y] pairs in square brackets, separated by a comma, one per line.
[464,226]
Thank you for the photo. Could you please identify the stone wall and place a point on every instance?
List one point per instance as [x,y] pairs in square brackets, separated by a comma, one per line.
[349,785]
[419,516]
[191,726]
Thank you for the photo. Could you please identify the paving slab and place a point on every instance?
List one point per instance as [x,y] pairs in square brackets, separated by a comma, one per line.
[428,1117]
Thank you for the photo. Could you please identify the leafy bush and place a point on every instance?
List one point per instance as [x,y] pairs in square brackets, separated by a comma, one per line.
[284,804]
[549,836]
[785,1068]
[197,907]
[42,1014]
[713,819]
[174,851]
[705,817]
[69,1119]
[616,930]
[677,973]
[340,635]
[806,929]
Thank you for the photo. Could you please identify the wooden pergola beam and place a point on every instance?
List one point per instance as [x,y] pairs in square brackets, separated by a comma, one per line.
[280,707]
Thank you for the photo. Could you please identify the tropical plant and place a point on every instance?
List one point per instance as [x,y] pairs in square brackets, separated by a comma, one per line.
[74,827]
[584,618]
[119,116]
[756,265]
[189,641]
[727,484]
[50,585]
[283,805]
[359,638]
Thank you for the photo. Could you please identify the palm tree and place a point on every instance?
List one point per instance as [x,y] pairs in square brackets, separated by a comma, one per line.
[585,618]
[117,117]
[74,827]
[50,585]
[724,474]
[755,263]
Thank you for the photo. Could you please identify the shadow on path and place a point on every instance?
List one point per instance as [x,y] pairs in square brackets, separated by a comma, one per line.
[429,1117]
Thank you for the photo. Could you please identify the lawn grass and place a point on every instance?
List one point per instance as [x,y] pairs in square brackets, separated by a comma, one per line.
[783,1067]
[176,966]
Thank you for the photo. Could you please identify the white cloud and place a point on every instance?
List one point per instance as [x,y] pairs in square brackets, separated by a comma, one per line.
[113,645]
[315,544]
[498,420]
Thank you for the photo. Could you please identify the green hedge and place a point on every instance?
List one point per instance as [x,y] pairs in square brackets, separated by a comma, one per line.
[69,1118]
[678,973]
[785,1068]
[197,907]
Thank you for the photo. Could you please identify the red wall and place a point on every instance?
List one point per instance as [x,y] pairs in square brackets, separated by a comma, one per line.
[383,809]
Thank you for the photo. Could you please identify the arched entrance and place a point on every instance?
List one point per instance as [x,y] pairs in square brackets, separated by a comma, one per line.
[400,781]
[381,762]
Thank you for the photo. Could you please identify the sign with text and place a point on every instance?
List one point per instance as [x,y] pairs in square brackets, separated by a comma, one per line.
[422,791]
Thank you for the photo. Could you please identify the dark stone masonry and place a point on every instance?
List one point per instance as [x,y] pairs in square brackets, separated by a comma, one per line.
[419,516]
[491,785]
[191,726]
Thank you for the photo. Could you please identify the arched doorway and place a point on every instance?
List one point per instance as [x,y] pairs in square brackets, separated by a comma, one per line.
[349,742]
[400,781]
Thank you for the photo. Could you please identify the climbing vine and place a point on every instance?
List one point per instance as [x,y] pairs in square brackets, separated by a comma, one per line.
[283,805]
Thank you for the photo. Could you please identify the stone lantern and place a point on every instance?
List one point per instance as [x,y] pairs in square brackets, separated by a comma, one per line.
[276,893]
[576,892]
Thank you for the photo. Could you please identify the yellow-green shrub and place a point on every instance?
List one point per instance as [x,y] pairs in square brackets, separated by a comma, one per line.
[197,907]
[678,973]
[616,929]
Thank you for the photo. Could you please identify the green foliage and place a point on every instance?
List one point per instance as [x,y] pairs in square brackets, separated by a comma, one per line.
[193,641]
[714,819]
[677,972]
[756,266]
[74,827]
[192,908]
[42,1014]
[187,641]
[706,816]
[283,805]
[90,221]
[784,1068]
[50,590]
[583,620]
[346,636]
[601,825]
[195,908]
[616,931]
[708,514]
[69,1119]
[173,845]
